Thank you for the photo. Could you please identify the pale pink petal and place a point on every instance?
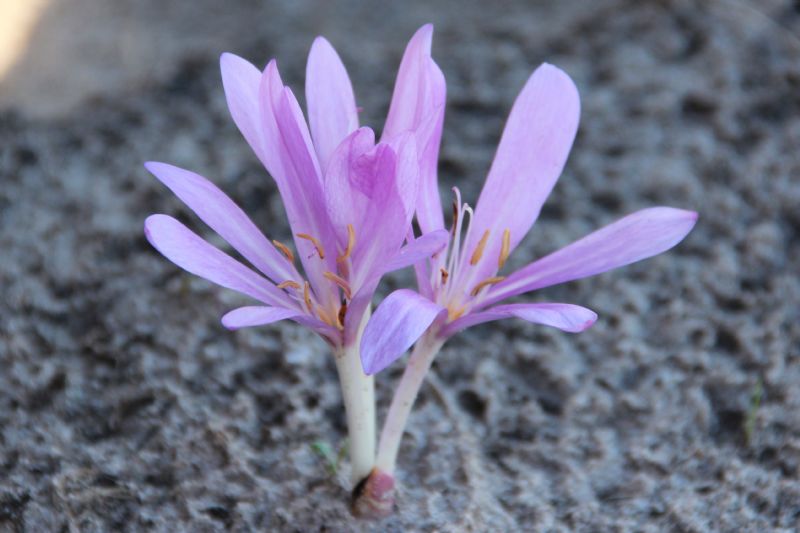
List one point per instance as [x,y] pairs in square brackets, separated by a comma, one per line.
[256,315]
[418,106]
[331,104]
[226,218]
[184,248]
[349,180]
[241,81]
[398,322]
[303,196]
[635,237]
[419,249]
[566,317]
[530,157]
[385,184]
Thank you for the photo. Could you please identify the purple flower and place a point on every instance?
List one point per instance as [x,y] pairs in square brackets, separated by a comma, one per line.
[349,200]
[464,285]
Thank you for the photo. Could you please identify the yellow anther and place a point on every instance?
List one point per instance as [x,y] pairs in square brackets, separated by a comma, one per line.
[288,283]
[315,242]
[331,320]
[504,249]
[351,242]
[478,253]
[284,250]
[307,297]
[453,314]
[486,283]
[341,282]
[445,275]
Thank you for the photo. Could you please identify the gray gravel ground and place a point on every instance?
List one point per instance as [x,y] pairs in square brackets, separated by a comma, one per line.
[125,406]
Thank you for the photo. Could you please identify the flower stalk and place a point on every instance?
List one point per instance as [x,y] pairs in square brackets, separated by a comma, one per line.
[406,394]
[358,394]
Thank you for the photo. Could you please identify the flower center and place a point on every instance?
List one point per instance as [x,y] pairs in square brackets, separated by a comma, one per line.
[454,281]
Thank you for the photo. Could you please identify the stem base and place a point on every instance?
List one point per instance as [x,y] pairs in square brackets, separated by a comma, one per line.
[373,497]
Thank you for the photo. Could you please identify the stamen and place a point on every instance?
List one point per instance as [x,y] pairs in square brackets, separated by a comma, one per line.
[341,282]
[288,283]
[445,275]
[315,242]
[478,253]
[486,283]
[453,314]
[341,315]
[327,318]
[285,250]
[504,249]
[351,242]
[307,297]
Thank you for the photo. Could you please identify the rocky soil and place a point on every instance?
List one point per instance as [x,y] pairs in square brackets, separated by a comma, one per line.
[126,406]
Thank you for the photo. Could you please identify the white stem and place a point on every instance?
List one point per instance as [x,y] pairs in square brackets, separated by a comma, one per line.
[417,367]
[358,393]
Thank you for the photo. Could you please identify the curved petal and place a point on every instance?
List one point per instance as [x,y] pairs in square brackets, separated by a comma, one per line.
[332,112]
[256,315]
[349,180]
[398,322]
[419,249]
[303,194]
[184,248]
[418,105]
[226,218]
[566,317]
[635,237]
[533,150]
[241,81]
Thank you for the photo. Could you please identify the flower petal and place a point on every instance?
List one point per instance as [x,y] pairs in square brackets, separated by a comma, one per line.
[226,218]
[566,317]
[418,106]
[302,193]
[187,250]
[635,237]
[241,81]
[398,322]
[419,249]
[256,315]
[332,110]
[349,180]
[533,150]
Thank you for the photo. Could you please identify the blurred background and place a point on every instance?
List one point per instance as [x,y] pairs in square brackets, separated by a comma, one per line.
[124,405]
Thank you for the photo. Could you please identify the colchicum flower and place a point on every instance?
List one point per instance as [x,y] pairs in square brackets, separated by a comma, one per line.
[465,285]
[349,202]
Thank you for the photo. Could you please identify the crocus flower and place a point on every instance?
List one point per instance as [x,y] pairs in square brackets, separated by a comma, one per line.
[466,285]
[349,202]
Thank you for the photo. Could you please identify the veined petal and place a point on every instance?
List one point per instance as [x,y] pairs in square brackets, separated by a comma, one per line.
[531,155]
[256,315]
[398,322]
[566,317]
[349,180]
[635,237]
[407,108]
[332,110]
[184,248]
[217,210]
[419,249]
[302,191]
[418,106]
